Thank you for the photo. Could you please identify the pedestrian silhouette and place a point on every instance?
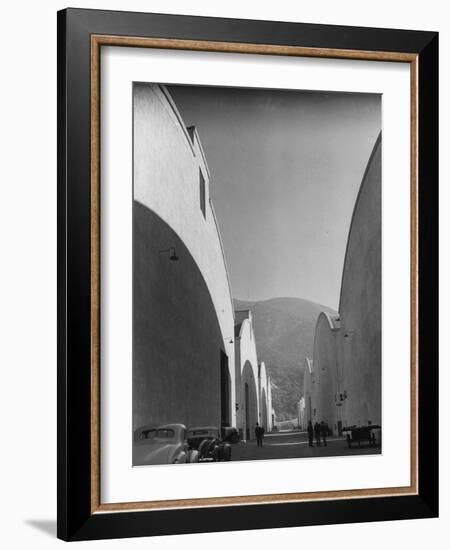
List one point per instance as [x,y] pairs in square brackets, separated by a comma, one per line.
[324,432]
[310,434]
[317,433]
[259,433]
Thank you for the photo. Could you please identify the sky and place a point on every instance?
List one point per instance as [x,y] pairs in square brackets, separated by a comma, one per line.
[286,167]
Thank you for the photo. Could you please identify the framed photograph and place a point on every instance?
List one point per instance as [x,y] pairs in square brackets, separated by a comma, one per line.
[247,257]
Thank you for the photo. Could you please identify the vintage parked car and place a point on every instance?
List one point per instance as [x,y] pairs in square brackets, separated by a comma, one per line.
[211,447]
[230,434]
[360,434]
[164,444]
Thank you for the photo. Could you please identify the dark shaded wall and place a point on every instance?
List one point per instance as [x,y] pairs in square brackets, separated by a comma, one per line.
[360,303]
[263,406]
[177,341]
[249,401]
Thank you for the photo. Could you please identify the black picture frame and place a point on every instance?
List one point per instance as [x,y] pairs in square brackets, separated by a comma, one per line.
[75,518]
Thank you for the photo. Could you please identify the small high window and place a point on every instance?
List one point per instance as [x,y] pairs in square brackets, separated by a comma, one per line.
[202,195]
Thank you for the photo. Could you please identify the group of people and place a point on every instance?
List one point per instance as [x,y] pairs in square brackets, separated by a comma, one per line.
[319,432]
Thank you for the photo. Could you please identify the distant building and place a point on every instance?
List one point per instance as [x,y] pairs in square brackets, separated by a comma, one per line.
[345,389]
[265,398]
[246,376]
[270,413]
[274,420]
[309,391]
[183,319]
[253,385]
[328,371]
[301,413]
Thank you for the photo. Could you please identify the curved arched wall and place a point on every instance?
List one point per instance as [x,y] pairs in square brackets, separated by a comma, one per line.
[269,405]
[183,315]
[327,371]
[250,401]
[360,301]
[264,419]
[177,341]
[264,385]
[246,374]
[309,391]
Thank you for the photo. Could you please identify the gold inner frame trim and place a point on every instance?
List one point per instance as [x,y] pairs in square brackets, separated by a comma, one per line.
[97,41]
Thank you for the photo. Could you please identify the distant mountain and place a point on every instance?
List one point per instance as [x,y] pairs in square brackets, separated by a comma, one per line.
[284,333]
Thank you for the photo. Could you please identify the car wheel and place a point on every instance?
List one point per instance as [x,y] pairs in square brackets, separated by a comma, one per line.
[193,456]
[216,454]
[180,459]
[203,448]
[227,453]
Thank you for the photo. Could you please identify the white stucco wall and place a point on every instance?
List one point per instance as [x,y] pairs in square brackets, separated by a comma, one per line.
[328,370]
[269,403]
[346,384]
[309,390]
[248,347]
[264,389]
[301,413]
[360,301]
[246,354]
[167,181]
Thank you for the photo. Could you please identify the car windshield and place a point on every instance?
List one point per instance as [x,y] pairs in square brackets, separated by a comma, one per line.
[157,433]
[202,433]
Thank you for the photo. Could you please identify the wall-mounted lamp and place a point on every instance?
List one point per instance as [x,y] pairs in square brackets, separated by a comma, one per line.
[173,255]
[340,398]
[237,406]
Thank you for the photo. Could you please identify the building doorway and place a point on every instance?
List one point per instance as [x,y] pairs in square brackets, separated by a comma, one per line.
[224,390]
[247,413]
[250,401]
[263,408]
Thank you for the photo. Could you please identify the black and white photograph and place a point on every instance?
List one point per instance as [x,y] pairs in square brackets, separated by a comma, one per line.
[225,253]
[257,249]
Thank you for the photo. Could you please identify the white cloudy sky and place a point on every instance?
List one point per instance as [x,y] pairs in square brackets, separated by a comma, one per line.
[286,167]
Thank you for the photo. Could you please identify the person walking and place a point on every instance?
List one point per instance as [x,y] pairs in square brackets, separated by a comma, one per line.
[259,433]
[324,432]
[310,434]
[317,433]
